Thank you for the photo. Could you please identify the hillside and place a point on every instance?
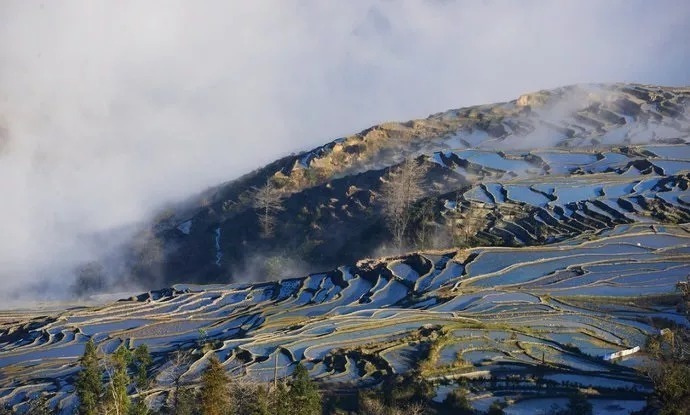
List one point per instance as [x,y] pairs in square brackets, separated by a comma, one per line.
[548,237]
[511,158]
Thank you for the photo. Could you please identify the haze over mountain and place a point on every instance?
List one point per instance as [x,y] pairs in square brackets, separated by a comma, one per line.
[246,205]
[334,198]
[546,253]
[109,111]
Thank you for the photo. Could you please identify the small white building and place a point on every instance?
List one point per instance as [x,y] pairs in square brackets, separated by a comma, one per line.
[622,353]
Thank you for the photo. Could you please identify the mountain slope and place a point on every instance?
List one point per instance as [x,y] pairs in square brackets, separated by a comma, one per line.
[550,236]
[332,203]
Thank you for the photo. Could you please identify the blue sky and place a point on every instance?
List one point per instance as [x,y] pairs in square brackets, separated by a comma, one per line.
[112,109]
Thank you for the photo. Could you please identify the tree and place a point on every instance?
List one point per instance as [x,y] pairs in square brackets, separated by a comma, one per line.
[369,405]
[458,401]
[414,408]
[142,360]
[260,405]
[39,406]
[186,402]
[397,395]
[402,188]
[181,399]
[670,375]
[268,201]
[672,386]
[304,396]
[425,229]
[215,393]
[496,408]
[578,405]
[250,398]
[465,222]
[117,393]
[473,220]
[89,387]
[280,402]
[373,405]
[684,288]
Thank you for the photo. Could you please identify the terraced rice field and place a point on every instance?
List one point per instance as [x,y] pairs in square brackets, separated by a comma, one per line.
[548,312]
[580,253]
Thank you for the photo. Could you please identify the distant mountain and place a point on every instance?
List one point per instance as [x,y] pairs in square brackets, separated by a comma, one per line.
[332,200]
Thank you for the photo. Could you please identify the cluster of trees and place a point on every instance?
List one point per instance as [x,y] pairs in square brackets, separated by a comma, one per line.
[403,209]
[406,213]
[219,394]
[670,373]
[398,395]
[117,384]
[400,192]
[126,377]
[124,371]
[465,222]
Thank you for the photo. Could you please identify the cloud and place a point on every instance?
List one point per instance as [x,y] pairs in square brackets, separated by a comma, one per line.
[111,109]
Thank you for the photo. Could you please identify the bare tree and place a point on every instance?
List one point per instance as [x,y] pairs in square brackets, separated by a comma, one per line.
[249,396]
[473,219]
[268,201]
[374,406]
[401,189]
[110,405]
[465,222]
[415,408]
[425,227]
[173,374]
[117,400]
[684,288]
